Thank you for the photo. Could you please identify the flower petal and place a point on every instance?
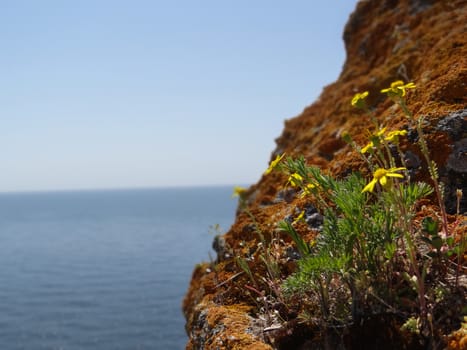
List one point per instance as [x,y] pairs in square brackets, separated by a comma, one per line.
[384,180]
[370,187]
[396,169]
[395,175]
[274,163]
[367,148]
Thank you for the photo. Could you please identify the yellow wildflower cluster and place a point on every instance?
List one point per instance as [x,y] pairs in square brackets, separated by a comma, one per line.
[392,136]
[296,180]
[307,189]
[398,88]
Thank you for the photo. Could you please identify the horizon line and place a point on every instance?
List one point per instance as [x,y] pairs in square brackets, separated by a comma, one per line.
[126,188]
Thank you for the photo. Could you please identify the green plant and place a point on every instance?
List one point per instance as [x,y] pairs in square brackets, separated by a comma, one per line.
[358,230]
[302,246]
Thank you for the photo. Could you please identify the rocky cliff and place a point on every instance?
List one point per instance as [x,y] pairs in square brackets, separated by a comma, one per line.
[420,41]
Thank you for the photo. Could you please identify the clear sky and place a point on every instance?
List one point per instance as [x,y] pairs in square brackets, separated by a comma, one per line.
[140,93]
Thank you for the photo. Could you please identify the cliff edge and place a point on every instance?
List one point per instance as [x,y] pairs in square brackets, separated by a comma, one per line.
[233,306]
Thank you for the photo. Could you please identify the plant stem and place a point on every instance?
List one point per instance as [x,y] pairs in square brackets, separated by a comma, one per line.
[431,165]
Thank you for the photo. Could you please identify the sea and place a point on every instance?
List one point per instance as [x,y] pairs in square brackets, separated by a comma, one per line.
[103,269]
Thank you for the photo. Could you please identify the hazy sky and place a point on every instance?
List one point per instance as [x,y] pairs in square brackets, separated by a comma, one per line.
[112,94]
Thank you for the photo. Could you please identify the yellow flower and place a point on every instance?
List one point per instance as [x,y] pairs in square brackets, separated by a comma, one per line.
[295,180]
[299,217]
[274,164]
[398,88]
[374,141]
[307,190]
[309,187]
[381,132]
[238,191]
[367,147]
[381,175]
[359,99]
[394,135]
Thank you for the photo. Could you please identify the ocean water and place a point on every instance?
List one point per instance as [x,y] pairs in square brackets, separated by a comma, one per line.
[103,269]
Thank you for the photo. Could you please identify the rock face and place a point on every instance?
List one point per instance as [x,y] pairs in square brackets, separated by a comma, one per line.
[423,41]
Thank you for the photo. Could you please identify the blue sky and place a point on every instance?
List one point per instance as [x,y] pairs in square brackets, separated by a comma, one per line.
[122,94]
